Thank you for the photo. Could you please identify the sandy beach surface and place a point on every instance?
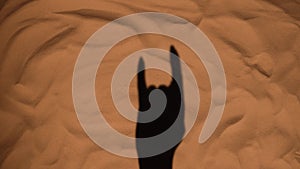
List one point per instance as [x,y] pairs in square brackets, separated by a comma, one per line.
[259,45]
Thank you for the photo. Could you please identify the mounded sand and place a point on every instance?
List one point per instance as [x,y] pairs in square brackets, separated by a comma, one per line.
[259,45]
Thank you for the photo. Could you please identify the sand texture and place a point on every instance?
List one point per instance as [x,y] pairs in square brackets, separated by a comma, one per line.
[258,42]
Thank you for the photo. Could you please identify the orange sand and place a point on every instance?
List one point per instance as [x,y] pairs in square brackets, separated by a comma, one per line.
[259,45]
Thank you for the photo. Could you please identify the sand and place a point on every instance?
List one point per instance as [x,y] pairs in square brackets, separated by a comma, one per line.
[258,43]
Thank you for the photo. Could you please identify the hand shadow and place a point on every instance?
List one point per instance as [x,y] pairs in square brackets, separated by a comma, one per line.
[174,104]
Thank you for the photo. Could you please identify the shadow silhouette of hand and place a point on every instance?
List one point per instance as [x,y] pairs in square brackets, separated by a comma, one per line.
[174,104]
